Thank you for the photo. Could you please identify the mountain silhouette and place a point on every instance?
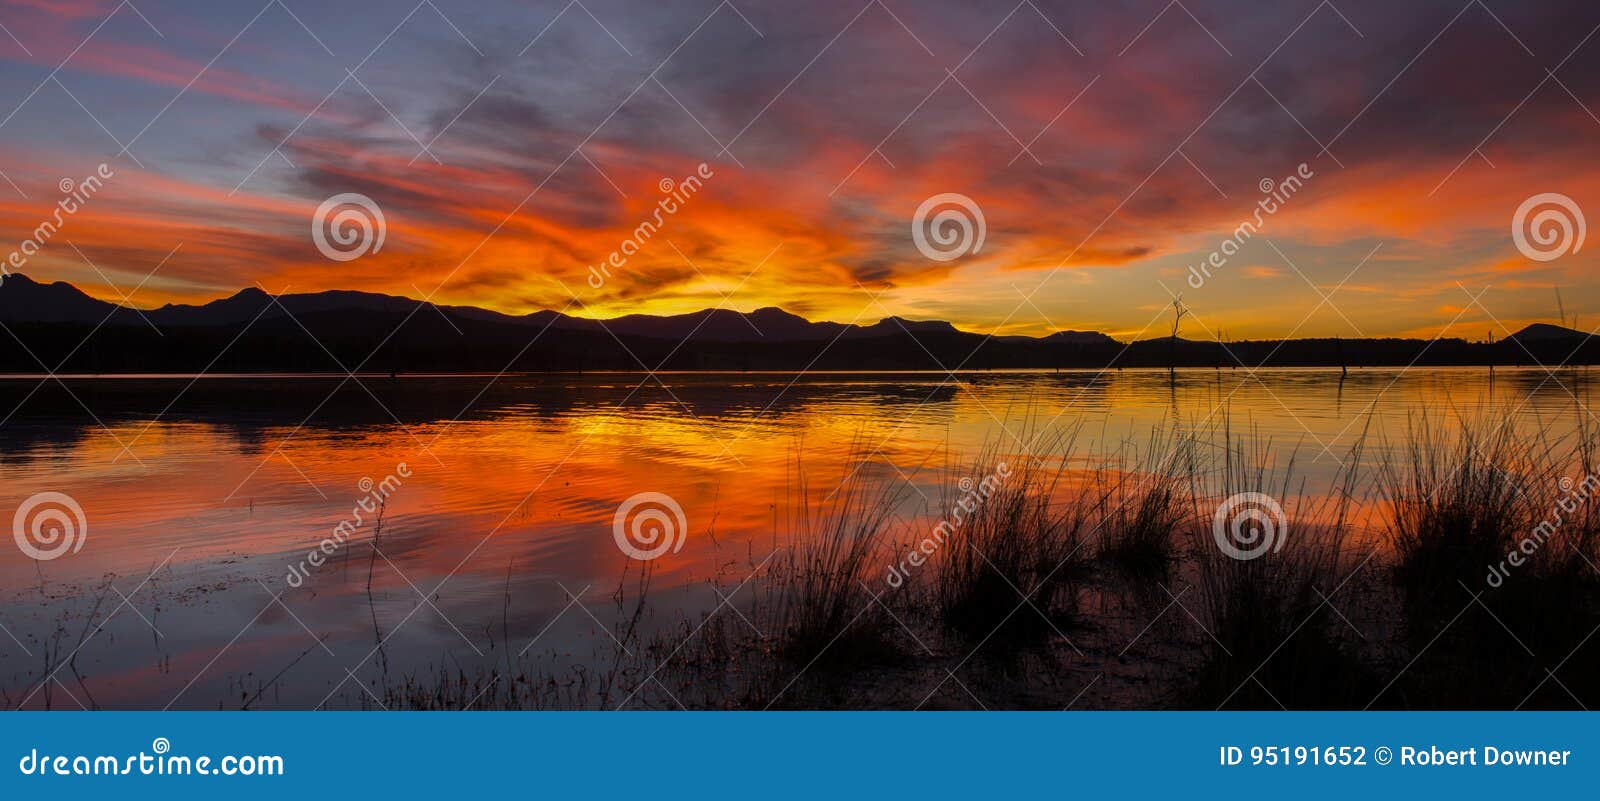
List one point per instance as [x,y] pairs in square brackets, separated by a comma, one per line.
[65,330]
[1545,332]
[23,300]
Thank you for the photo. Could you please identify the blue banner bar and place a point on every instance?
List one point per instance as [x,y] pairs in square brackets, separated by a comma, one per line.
[793,755]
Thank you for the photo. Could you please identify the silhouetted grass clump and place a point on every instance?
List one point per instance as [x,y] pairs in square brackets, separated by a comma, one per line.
[1276,639]
[1011,556]
[1457,505]
[1142,513]
[825,610]
[1493,533]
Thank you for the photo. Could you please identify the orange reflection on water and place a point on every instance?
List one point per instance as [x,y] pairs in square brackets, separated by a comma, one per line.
[506,516]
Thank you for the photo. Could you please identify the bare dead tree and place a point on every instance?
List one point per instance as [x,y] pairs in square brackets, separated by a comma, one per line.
[1179,311]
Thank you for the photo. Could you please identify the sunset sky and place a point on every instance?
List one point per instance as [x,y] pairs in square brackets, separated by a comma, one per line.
[1110,145]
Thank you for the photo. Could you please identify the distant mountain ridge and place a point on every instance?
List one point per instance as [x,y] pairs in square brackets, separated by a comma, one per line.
[62,330]
[24,300]
[1545,332]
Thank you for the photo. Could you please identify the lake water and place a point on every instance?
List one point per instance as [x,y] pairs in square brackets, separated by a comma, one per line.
[201,496]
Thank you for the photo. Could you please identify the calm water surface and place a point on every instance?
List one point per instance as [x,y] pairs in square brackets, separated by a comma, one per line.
[200,496]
